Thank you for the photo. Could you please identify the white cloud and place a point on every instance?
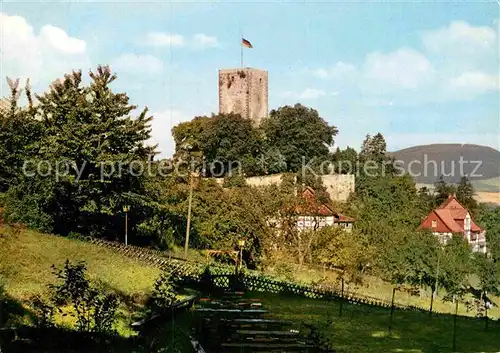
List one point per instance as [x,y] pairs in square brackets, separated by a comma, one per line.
[197,41]
[460,36]
[61,41]
[458,62]
[476,80]
[162,125]
[140,64]
[201,40]
[403,69]
[159,39]
[337,71]
[308,93]
[461,47]
[40,56]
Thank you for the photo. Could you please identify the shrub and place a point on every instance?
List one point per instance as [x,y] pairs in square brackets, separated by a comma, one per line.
[163,293]
[285,271]
[44,312]
[94,310]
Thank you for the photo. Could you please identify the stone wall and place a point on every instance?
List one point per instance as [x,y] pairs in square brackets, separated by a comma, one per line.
[244,91]
[339,186]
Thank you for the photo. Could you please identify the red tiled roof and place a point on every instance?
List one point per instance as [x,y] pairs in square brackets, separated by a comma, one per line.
[447,218]
[323,209]
[452,213]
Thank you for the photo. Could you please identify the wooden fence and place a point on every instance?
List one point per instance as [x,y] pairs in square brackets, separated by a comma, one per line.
[253,280]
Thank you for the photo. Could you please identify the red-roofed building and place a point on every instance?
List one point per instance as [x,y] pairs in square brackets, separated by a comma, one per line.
[453,218]
[313,214]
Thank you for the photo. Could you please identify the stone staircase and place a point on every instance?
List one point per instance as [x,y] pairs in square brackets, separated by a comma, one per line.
[233,323]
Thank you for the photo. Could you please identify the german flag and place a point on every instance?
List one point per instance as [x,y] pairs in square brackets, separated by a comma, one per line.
[246,43]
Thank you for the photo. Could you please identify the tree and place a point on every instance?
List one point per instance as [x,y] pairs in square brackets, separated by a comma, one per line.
[93,309]
[488,273]
[345,161]
[92,154]
[348,251]
[411,258]
[19,130]
[490,220]
[229,141]
[442,190]
[374,148]
[465,194]
[298,132]
[189,133]
[456,266]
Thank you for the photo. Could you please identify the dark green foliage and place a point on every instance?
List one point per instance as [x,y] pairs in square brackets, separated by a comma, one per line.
[374,148]
[190,131]
[490,220]
[465,194]
[18,133]
[44,312]
[412,259]
[298,132]
[456,266]
[163,293]
[94,310]
[345,161]
[442,190]
[230,141]
[87,131]
[488,273]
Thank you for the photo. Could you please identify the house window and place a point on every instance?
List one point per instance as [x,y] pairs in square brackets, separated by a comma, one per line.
[434,224]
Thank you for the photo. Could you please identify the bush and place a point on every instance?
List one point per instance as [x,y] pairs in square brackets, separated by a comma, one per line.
[44,312]
[163,293]
[285,271]
[94,310]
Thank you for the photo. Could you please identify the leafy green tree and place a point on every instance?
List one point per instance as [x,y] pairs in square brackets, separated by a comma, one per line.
[298,132]
[18,132]
[230,141]
[411,258]
[442,190]
[488,273]
[94,310]
[490,220]
[89,137]
[345,161]
[374,148]
[465,194]
[190,133]
[348,251]
[456,266]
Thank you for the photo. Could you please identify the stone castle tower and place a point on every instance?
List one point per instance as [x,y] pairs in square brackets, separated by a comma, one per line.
[244,91]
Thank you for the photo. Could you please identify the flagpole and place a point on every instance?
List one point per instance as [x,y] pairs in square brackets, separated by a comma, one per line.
[241,46]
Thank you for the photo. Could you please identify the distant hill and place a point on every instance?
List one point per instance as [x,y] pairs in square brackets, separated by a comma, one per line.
[426,163]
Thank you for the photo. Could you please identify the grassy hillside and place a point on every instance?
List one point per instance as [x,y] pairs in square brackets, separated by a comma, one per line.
[26,258]
[377,288]
[447,158]
[364,328]
[488,185]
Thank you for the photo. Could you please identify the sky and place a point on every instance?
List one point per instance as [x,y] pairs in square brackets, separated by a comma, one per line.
[418,72]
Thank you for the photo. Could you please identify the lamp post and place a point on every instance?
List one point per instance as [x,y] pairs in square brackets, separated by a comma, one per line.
[436,284]
[241,244]
[190,201]
[126,208]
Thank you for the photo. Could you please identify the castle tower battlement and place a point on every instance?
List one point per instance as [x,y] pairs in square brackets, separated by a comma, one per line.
[244,91]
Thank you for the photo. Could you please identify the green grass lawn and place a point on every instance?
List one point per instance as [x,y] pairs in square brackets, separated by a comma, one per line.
[377,288]
[26,258]
[365,329]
